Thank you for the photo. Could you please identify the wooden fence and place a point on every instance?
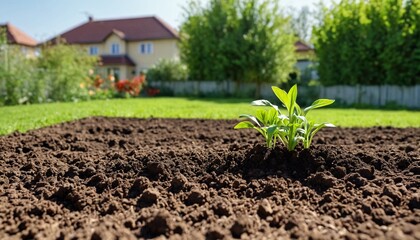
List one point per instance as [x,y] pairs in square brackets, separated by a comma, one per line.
[407,96]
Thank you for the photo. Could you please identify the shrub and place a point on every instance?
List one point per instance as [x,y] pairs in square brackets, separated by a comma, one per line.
[17,77]
[167,70]
[63,68]
[98,87]
[369,42]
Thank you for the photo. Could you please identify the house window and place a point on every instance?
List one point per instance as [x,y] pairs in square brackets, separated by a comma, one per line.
[93,50]
[146,48]
[115,49]
[37,52]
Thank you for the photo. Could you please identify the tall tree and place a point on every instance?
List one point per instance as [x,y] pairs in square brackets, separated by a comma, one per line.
[369,42]
[63,68]
[242,41]
[302,22]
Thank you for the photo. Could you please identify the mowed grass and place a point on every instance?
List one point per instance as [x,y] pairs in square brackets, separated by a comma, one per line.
[27,117]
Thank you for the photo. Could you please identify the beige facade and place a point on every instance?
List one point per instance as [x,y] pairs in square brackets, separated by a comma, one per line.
[166,49]
[27,51]
[114,39]
[305,55]
[144,54]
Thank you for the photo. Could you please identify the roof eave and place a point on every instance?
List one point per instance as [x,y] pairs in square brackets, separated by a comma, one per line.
[127,40]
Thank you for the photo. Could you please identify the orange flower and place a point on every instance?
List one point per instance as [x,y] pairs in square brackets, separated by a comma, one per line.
[122,85]
[98,81]
[132,87]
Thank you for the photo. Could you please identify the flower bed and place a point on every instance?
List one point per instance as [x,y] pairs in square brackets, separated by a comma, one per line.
[102,178]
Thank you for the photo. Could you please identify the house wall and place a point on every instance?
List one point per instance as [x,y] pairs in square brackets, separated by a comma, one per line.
[100,46]
[305,55]
[29,52]
[166,48]
[114,39]
[161,49]
[105,47]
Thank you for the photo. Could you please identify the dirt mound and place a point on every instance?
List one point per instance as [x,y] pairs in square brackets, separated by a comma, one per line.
[118,178]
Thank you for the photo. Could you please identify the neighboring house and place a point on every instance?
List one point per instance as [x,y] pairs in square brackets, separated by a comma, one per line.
[305,56]
[126,46]
[304,51]
[18,39]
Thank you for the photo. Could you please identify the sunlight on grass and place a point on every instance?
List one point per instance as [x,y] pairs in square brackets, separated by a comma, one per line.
[23,118]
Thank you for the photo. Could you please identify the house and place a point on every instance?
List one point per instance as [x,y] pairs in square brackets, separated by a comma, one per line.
[305,55]
[16,38]
[303,50]
[125,46]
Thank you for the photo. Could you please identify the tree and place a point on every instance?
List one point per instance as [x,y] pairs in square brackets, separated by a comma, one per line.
[241,41]
[302,23]
[64,68]
[369,42]
[167,70]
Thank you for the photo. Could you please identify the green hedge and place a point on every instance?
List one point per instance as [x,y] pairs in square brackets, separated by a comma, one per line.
[55,75]
[369,42]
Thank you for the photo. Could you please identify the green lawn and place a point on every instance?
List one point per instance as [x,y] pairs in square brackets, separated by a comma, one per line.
[23,118]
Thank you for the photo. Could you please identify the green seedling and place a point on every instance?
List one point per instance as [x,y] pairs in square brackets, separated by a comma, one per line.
[290,128]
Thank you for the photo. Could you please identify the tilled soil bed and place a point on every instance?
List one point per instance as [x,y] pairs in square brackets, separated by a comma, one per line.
[114,178]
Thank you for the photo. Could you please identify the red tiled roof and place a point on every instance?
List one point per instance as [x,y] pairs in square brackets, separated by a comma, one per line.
[132,29]
[302,47]
[117,60]
[16,36]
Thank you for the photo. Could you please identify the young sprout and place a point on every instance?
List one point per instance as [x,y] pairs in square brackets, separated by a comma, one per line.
[290,128]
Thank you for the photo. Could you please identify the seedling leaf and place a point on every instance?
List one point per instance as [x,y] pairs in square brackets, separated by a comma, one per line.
[319,103]
[251,118]
[243,125]
[281,95]
[292,95]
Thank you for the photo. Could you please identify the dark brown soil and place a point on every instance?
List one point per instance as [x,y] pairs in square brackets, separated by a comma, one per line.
[112,178]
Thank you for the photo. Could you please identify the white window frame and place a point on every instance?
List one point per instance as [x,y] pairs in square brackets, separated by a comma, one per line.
[115,48]
[93,50]
[37,52]
[146,48]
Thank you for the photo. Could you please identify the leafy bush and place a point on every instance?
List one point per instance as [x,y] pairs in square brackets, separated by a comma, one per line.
[240,40]
[290,128]
[168,70]
[17,77]
[369,42]
[17,84]
[98,87]
[63,68]
[56,75]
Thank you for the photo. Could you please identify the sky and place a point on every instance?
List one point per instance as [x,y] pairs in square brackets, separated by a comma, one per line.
[44,19]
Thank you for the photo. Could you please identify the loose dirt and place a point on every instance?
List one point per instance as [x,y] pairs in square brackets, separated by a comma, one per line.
[114,178]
